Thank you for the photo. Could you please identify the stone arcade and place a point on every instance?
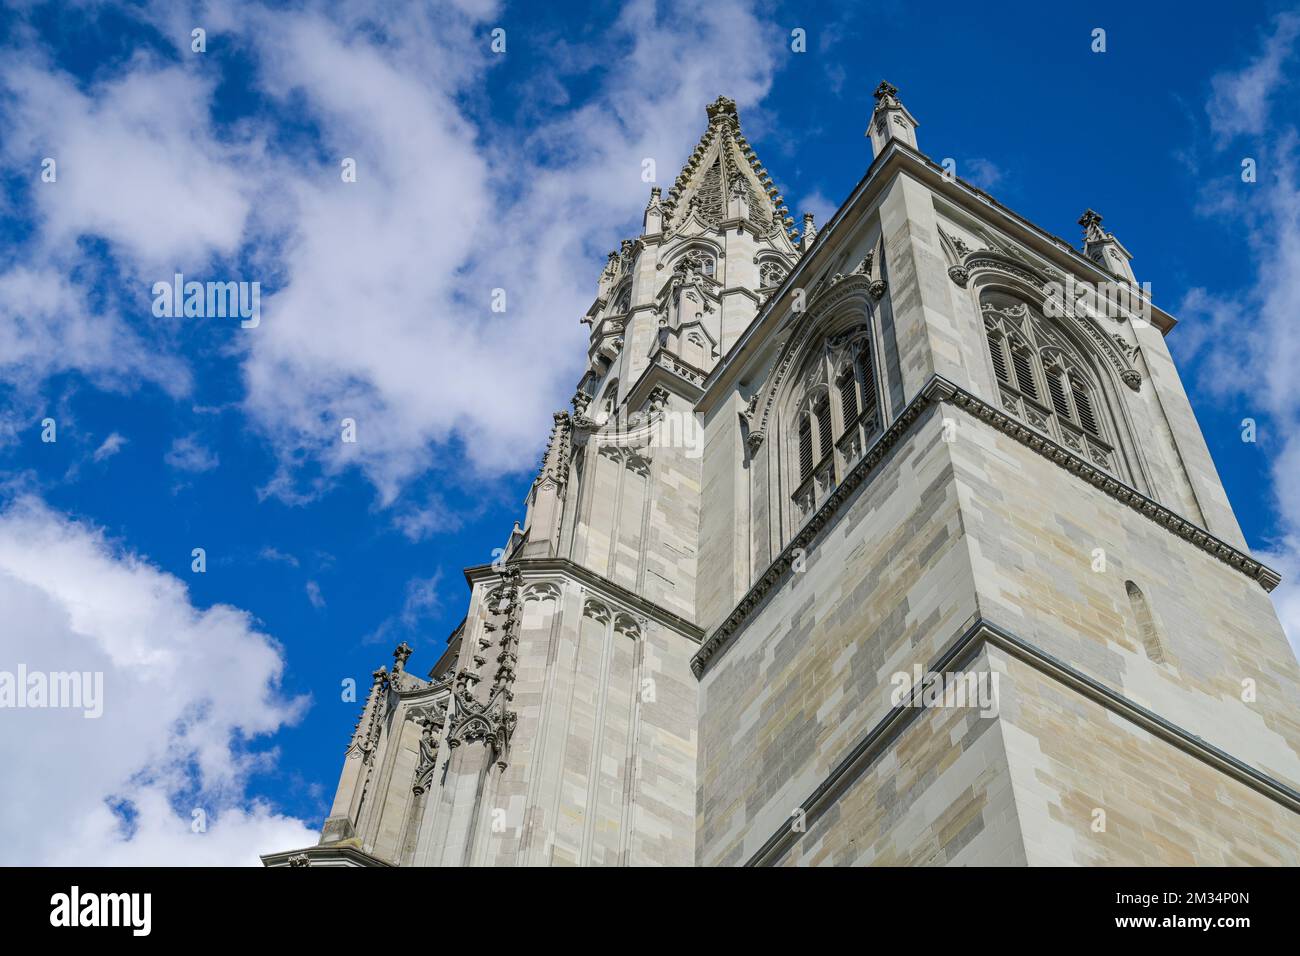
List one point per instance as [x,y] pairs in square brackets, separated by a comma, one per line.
[913,458]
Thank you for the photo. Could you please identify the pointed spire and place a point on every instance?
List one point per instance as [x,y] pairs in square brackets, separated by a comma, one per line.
[890,120]
[542,521]
[723,179]
[809,232]
[555,461]
[653,222]
[1104,249]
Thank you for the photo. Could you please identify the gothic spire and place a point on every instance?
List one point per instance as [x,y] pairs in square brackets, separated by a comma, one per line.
[723,179]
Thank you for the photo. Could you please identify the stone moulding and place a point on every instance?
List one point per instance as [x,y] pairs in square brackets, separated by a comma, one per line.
[957,656]
[936,391]
[556,569]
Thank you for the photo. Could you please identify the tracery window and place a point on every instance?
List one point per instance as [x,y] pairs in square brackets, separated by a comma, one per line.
[703,262]
[836,418]
[770,273]
[1042,378]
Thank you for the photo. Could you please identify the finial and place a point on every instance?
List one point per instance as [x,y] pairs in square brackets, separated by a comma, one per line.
[890,120]
[401,654]
[1091,222]
[723,106]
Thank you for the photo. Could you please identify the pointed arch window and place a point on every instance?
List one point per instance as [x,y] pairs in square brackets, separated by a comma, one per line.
[1042,379]
[837,417]
[702,261]
[623,300]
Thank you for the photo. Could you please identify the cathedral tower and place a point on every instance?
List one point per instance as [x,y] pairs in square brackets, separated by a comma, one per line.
[895,542]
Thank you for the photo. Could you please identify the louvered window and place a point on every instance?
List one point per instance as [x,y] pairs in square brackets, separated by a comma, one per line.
[1024,372]
[997,349]
[823,412]
[805,447]
[1083,402]
[849,397]
[1056,387]
[867,369]
[1043,355]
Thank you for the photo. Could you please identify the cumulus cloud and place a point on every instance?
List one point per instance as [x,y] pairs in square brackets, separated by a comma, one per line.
[187,694]
[378,293]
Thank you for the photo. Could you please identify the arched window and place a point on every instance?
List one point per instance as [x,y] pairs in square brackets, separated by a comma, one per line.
[700,260]
[770,273]
[1042,378]
[608,405]
[695,350]
[837,415]
[623,300]
[1146,623]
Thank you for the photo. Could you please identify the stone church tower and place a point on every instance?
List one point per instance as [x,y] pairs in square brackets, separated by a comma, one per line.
[803,473]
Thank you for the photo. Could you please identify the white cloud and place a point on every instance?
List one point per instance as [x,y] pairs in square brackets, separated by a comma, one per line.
[275,554]
[981,173]
[421,602]
[314,595]
[1242,99]
[187,453]
[137,162]
[109,447]
[48,327]
[381,309]
[1249,352]
[821,208]
[184,692]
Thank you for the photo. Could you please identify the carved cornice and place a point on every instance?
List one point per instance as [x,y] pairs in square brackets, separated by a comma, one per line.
[938,390]
[1170,520]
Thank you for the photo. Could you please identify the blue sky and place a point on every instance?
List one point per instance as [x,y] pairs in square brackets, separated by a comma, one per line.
[476,171]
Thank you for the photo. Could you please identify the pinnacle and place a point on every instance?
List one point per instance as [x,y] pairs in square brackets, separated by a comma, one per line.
[722,106]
